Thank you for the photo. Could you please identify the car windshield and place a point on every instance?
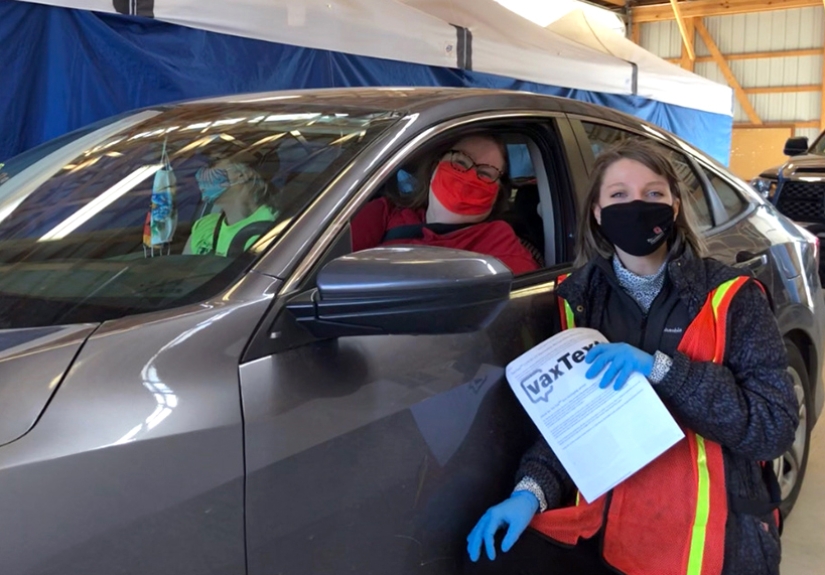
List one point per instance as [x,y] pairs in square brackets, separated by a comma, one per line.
[819,145]
[163,207]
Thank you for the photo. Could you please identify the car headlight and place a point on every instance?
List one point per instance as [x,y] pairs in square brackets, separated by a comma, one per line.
[765,186]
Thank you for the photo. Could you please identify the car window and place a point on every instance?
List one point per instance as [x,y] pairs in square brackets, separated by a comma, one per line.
[818,146]
[14,165]
[164,212]
[602,137]
[733,203]
[399,212]
[694,192]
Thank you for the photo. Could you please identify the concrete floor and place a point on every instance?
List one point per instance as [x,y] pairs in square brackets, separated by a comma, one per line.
[803,540]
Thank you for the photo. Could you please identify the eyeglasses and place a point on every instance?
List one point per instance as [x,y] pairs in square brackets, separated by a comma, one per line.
[464,163]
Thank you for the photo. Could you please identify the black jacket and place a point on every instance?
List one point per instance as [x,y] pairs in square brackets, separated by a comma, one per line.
[746,405]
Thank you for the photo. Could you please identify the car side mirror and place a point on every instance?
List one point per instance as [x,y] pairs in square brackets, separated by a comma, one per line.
[796,146]
[404,291]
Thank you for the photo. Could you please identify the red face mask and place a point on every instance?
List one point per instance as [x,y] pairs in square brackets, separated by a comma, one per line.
[462,192]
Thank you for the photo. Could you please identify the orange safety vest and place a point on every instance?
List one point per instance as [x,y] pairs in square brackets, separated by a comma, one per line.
[669,518]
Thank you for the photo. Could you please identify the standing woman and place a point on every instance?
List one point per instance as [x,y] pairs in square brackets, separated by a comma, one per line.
[705,337]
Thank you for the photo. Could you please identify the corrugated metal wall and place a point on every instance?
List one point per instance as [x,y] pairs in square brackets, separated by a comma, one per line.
[760,32]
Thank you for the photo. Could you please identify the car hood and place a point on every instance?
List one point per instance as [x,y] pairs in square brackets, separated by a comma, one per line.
[33,362]
[812,163]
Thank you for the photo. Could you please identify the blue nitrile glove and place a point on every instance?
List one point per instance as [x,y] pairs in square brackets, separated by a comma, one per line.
[621,359]
[515,512]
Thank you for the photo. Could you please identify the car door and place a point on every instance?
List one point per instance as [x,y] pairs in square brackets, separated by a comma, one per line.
[377,454]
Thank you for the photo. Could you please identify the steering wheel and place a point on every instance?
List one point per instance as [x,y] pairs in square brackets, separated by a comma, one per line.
[238,244]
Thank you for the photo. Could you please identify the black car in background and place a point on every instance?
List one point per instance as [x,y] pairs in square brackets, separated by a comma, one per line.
[295,407]
[797,187]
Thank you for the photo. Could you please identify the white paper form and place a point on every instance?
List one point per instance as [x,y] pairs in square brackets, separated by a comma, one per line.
[601,436]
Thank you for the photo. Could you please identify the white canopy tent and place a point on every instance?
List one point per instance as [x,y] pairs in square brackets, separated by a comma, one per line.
[327,43]
[576,51]
[544,13]
[352,26]
[422,32]
[506,44]
[657,79]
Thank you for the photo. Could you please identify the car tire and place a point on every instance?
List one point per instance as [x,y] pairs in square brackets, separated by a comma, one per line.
[790,467]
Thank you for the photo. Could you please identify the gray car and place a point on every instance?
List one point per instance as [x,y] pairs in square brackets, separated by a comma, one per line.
[291,407]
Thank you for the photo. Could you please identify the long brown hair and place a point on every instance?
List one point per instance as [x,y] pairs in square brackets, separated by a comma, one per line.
[590,242]
[420,196]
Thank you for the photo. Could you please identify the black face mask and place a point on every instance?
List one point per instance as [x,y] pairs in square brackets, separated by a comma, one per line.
[637,228]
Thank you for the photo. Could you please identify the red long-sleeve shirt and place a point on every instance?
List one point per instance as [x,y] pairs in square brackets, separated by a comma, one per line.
[495,239]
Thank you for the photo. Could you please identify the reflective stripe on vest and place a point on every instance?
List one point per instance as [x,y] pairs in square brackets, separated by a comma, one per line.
[565,311]
[700,522]
[720,300]
[568,319]
[701,527]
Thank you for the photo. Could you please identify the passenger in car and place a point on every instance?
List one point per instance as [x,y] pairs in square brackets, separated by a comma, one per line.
[705,337]
[452,208]
[242,198]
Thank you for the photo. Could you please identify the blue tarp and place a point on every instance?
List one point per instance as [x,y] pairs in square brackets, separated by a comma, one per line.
[65,68]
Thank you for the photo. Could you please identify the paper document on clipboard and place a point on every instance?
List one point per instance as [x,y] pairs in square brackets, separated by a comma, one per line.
[601,436]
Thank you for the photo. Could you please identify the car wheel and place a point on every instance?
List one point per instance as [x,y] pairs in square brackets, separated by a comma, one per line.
[790,467]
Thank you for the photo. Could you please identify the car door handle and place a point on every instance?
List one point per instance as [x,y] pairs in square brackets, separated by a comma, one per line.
[750,261]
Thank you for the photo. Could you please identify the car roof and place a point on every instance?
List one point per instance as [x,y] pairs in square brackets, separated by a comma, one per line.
[434,102]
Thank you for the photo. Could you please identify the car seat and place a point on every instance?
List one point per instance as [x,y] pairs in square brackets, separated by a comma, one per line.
[254,230]
[523,216]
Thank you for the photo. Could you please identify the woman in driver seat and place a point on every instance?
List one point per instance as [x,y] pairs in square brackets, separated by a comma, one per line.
[242,198]
[452,208]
